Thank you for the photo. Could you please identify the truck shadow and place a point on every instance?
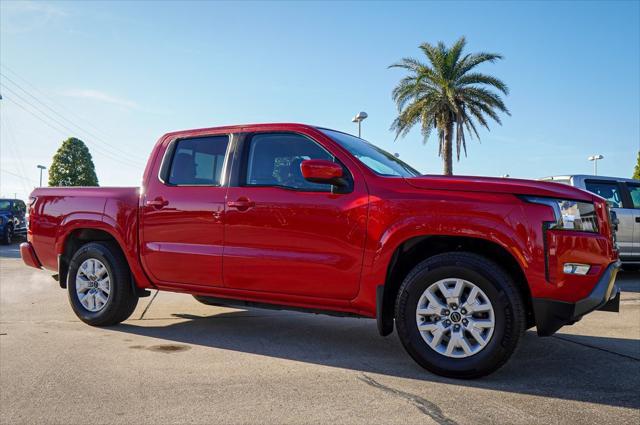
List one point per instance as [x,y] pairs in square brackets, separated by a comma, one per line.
[550,367]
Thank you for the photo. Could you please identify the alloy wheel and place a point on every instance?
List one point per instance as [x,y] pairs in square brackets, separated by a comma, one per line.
[93,285]
[455,318]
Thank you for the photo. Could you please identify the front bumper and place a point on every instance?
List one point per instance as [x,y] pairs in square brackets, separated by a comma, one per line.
[551,315]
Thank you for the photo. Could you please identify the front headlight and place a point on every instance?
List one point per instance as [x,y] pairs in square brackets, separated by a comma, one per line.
[570,215]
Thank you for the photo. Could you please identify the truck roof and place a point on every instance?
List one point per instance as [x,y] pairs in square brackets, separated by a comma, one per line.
[244,127]
[582,177]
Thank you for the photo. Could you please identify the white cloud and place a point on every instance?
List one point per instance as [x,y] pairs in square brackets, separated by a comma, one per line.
[100,96]
[25,16]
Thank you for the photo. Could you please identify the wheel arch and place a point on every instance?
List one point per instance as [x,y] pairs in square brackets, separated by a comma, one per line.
[80,236]
[73,240]
[418,248]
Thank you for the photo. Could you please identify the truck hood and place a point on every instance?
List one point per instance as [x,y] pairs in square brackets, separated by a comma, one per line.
[500,185]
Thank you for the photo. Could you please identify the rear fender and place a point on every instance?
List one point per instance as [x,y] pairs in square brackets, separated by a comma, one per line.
[108,225]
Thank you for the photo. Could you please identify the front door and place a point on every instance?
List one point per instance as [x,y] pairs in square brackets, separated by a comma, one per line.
[182,214]
[612,192]
[286,235]
[634,195]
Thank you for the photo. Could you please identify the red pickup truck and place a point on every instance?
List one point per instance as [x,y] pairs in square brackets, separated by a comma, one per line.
[293,216]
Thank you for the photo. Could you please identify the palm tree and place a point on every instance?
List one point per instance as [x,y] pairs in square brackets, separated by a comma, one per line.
[448,95]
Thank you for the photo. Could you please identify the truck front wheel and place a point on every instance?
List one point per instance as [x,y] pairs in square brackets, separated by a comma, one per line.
[459,315]
[99,285]
[7,235]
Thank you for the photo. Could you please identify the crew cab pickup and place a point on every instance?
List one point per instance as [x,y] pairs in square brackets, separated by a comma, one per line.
[292,216]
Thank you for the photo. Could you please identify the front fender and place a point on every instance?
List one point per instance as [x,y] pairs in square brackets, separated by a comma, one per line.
[504,225]
[492,229]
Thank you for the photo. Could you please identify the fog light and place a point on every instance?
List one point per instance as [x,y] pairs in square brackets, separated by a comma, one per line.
[576,268]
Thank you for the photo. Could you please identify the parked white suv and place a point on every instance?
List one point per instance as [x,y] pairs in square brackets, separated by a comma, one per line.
[623,196]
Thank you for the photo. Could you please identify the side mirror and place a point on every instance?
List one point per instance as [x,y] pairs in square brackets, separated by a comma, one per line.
[322,171]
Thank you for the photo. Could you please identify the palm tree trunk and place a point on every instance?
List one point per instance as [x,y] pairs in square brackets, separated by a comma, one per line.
[447,151]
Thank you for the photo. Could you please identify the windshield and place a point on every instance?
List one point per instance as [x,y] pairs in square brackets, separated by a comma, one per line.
[5,205]
[377,160]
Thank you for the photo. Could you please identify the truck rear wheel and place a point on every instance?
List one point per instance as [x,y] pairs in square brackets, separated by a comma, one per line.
[459,315]
[99,285]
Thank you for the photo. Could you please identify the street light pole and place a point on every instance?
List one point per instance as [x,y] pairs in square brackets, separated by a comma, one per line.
[41,167]
[360,116]
[595,159]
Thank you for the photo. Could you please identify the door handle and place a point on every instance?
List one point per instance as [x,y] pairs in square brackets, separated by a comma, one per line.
[241,204]
[159,202]
[637,219]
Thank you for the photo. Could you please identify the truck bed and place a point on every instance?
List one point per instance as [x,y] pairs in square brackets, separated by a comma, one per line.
[56,211]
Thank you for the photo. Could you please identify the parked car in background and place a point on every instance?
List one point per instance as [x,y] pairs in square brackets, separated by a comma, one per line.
[292,216]
[623,196]
[12,219]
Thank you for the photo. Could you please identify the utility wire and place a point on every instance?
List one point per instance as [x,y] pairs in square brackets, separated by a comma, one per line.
[125,160]
[44,95]
[14,148]
[63,117]
[16,175]
[53,101]
[61,131]
[64,126]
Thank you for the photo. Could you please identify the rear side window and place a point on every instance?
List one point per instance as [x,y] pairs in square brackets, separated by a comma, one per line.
[634,191]
[199,161]
[608,190]
[274,160]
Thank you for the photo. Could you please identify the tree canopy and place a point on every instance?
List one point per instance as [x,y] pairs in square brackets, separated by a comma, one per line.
[447,94]
[72,165]
[636,171]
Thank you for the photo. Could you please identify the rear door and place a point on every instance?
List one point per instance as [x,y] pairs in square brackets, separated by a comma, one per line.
[612,191]
[182,214]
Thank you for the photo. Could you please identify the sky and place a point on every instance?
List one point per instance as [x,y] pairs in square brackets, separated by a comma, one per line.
[118,75]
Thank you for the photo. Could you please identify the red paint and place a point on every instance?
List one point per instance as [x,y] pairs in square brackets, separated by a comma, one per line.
[319,250]
[29,255]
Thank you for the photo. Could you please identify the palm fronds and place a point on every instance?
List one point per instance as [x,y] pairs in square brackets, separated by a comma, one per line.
[443,94]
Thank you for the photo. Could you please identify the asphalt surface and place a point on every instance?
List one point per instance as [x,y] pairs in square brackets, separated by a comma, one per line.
[184,362]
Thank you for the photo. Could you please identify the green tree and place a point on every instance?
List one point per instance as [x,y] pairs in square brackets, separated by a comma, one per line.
[72,165]
[446,94]
[636,171]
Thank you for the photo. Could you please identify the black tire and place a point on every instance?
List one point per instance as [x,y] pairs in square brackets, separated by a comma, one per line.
[509,313]
[208,300]
[122,300]
[7,237]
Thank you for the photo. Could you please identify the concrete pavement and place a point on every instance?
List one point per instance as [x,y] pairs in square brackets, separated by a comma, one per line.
[184,362]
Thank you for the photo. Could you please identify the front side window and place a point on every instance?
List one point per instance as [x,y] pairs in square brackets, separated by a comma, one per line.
[5,205]
[19,207]
[634,191]
[377,160]
[274,160]
[608,190]
[198,161]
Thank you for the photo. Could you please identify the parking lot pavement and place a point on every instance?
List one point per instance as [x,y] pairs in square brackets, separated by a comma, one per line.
[184,362]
